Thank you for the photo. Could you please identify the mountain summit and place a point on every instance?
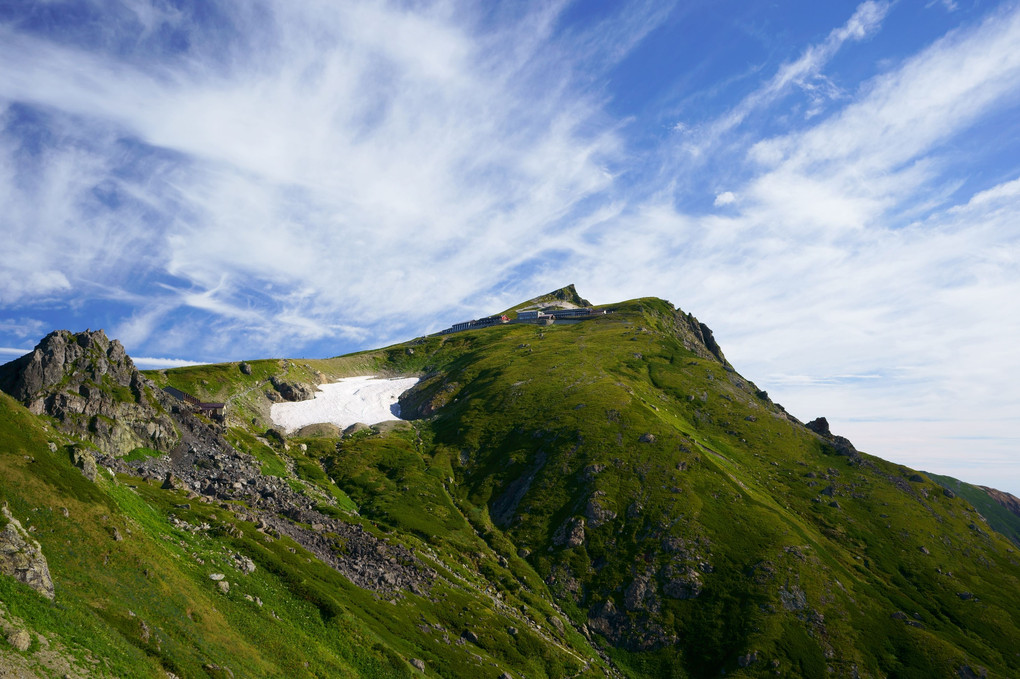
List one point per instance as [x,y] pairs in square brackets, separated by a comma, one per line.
[564,298]
[597,496]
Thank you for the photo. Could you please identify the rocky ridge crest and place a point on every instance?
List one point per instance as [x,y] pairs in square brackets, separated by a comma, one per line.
[90,385]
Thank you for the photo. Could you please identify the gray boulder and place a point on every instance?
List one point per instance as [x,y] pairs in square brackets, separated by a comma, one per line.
[292,391]
[21,557]
[20,640]
[571,533]
[85,461]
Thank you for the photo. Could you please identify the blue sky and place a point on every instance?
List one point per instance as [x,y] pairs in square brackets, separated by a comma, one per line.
[833,187]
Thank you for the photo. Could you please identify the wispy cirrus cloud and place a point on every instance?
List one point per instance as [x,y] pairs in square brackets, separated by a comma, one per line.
[304,185]
[850,254]
[804,73]
[275,178]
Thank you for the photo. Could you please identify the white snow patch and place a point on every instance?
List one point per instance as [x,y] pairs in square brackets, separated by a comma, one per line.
[364,399]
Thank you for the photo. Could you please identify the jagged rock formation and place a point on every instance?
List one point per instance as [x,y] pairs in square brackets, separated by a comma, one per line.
[820,426]
[89,384]
[21,557]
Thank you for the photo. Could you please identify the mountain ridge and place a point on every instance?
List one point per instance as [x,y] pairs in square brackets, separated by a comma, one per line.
[608,498]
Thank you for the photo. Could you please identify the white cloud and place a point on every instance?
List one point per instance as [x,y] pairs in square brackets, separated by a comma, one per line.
[725,198]
[848,283]
[24,328]
[321,170]
[146,363]
[367,171]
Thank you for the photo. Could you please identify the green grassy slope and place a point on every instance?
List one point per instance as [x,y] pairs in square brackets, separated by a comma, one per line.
[998,517]
[609,478]
[144,604]
[722,533]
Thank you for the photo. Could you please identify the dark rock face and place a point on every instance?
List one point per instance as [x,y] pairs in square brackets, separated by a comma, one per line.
[842,445]
[698,337]
[710,343]
[21,557]
[91,386]
[820,426]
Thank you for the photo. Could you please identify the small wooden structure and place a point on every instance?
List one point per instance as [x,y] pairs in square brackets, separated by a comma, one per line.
[214,410]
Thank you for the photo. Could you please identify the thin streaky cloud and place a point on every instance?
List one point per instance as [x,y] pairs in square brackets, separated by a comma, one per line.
[314,178]
[803,72]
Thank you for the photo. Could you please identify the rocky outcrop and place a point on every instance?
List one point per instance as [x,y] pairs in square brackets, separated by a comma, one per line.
[709,339]
[640,595]
[85,461]
[21,557]
[571,533]
[698,337]
[292,391]
[842,445]
[91,387]
[596,511]
[820,426]
[681,582]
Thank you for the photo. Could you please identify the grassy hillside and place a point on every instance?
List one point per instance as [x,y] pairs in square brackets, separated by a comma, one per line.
[132,563]
[600,498]
[998,517]
[710,531]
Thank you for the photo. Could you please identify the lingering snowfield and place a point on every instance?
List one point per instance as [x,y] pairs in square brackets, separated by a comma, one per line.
[353,399]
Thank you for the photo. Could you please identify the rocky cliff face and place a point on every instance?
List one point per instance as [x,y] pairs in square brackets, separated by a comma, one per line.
[89,384]
[21,557]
